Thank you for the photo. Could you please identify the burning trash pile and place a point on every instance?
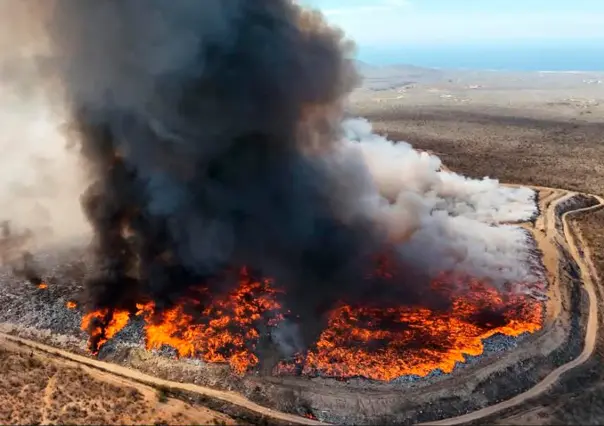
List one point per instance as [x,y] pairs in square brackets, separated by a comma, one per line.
[237,211]
[358,341]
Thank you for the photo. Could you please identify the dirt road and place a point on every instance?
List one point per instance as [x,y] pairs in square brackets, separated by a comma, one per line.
[156,382]
[590,335]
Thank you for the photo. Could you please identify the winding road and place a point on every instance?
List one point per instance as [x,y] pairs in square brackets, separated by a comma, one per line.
[587,277]
[587,274]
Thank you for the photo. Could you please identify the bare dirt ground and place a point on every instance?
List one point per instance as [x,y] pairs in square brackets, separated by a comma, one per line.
[37,388]
[140,381]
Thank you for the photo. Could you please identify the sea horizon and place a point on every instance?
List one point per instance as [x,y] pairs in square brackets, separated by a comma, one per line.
[550,58]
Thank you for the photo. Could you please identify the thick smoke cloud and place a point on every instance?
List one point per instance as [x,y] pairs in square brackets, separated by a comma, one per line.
[212,134]
[455,218]
[212,131]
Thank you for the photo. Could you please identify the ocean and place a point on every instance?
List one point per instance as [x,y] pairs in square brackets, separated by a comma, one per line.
[511,58]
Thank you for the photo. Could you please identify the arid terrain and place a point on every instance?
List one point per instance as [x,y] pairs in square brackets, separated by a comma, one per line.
[527,128]
[543,130]
[37,388]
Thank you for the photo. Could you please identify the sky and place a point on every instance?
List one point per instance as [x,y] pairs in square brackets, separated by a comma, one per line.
[386,25]
[387,22]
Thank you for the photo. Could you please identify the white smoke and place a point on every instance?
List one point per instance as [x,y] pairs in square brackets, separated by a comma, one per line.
[443,221]
[40,178]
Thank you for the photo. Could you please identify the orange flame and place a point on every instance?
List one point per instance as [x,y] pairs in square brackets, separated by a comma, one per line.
[380,344]
[384,344]
[71,304]
[99,334]
[226,332]
[42,286]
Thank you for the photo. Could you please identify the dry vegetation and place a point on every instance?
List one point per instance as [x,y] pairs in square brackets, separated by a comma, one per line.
[529,128]
[591,226]
[37,389]
[535,151]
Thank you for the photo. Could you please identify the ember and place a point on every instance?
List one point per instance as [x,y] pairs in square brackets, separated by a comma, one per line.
[380,344]
[42,286]
[71,304]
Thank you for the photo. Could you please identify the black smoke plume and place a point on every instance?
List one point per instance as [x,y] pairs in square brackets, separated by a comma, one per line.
[211,128]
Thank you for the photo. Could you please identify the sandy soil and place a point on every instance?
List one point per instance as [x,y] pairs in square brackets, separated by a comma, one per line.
[37,388]
[137,380]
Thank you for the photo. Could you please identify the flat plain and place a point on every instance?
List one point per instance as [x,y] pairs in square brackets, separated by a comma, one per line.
[530,128]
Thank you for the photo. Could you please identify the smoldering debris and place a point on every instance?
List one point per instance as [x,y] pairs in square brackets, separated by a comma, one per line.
[15,253]
[211,130]
[212,134]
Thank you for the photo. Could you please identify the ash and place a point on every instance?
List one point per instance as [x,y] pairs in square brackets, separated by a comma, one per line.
[41,313]
[25,303]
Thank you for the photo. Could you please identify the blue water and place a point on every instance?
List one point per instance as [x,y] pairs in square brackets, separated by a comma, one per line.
[562,57]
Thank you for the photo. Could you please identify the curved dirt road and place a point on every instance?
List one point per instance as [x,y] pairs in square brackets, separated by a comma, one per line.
[241,401]
[136,376]
[590,335]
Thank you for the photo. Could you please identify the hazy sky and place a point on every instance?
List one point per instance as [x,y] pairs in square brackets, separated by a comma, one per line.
[383,23]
